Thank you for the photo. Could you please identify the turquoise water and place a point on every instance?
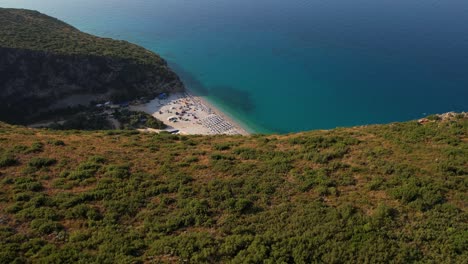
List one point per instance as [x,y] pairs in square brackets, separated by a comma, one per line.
[285,66]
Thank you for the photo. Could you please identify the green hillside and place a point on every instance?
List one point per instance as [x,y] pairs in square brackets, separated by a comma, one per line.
[31,30]
[50,71]
[377,194]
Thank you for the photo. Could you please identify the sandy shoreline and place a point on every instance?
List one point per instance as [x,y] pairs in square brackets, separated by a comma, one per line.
[242,130]
[190,115]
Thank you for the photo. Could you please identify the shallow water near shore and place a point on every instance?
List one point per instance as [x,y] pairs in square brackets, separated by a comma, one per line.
[286,66]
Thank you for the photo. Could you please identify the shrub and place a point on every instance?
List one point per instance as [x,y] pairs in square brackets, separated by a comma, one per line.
[279,165]
[454,167]
[45,227]
[118,171]
[83,211]
[19,149]
[345,179]
[383,215]
[27,184]
[420,194]
[80,175]
[376,183]
[318,178]
[97,159]
[22,197]
[35,147]
[79,236]
[247,153]
[7,160]
[242,205]
[222,146]
[191,159]
[39,163]
[56,142]
[219,156]
[14,208]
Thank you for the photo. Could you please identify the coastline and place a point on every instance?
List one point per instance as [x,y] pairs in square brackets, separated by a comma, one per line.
[242,129]
[190,114]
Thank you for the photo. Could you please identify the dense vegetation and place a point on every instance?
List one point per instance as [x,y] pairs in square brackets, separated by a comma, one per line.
[387,193]
[83,121]
[97,119]
[31,30]
[136,119]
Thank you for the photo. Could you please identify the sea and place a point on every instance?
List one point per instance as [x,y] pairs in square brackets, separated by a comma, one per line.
[279,66]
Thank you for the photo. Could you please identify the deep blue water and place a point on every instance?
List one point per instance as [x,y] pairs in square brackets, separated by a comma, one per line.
[284,66]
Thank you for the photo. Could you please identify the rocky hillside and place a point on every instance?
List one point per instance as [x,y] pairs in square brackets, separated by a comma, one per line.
[392,193]
[45,63]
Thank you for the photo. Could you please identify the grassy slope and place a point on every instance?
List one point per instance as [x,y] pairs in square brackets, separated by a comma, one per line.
[388,193]
[25,29]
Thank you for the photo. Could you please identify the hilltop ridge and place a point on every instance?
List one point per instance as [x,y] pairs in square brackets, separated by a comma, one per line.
[377,194]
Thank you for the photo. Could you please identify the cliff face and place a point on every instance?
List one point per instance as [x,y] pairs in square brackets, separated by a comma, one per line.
[47,64]
[32,81]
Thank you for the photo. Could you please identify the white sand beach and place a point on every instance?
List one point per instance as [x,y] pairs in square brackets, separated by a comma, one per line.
[191,115]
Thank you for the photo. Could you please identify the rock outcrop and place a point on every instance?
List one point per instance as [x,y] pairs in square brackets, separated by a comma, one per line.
[32,82]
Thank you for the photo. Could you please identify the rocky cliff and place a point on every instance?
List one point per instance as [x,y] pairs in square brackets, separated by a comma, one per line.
[45,63]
